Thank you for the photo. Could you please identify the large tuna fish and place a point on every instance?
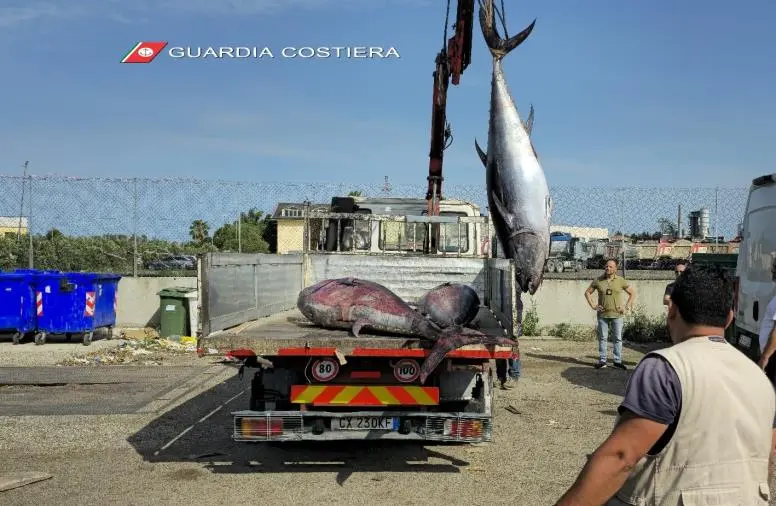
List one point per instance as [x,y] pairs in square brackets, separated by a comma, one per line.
[349,303]
[450,304]
[352,304]
[518,196]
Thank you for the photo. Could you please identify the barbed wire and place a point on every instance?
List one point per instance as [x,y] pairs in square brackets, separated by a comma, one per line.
[102,223]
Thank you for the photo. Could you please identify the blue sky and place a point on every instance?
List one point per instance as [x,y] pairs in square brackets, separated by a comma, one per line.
[643,94]
[626,93]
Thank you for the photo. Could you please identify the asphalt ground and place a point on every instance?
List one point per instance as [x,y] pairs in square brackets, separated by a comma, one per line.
[158,435]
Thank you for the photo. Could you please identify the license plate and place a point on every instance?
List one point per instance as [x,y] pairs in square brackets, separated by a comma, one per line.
[364,423]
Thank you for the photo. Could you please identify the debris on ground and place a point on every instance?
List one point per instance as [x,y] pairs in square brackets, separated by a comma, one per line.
[139,334]
[144,351]
[10,481]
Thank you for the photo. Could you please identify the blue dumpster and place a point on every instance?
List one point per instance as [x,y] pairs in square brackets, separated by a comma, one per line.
[17,305]
[75,303]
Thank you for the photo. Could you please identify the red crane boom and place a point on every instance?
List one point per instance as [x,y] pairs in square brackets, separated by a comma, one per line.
[451,61]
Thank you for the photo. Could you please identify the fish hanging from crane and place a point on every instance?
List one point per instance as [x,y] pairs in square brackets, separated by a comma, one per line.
[518,195]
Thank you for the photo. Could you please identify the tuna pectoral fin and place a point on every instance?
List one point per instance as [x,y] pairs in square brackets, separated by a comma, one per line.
[358,325]
[504,213]
[481,153]
[453,338]
[499,46]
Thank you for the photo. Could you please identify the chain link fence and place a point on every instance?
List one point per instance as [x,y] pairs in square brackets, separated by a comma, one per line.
[139,226]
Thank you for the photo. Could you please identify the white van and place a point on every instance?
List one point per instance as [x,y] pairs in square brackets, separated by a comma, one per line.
[756,287]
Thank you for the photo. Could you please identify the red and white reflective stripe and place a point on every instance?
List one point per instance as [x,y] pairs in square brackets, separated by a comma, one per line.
[89,304]
[39,303]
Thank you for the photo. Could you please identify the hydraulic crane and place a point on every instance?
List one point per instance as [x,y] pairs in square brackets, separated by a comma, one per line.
[451,61]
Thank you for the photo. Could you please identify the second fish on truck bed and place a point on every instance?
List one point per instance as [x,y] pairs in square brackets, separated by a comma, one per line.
[450,304]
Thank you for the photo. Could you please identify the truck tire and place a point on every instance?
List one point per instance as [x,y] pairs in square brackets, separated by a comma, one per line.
[559,267]
[550,266]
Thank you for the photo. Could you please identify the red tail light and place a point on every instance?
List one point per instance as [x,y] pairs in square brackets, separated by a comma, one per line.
[463,428]
[261,427]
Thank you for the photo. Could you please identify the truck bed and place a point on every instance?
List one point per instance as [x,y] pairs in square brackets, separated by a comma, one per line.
[290,330]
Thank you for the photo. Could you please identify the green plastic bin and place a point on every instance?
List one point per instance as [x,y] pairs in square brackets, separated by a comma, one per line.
[174,311]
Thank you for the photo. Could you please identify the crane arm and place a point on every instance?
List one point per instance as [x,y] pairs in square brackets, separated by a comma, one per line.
[451,62]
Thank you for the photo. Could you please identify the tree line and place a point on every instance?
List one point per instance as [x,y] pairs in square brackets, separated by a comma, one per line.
[255,232]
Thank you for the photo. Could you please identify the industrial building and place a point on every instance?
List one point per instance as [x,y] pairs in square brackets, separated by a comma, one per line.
[10,226]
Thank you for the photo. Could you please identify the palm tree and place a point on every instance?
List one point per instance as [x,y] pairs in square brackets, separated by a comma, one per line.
[199,231]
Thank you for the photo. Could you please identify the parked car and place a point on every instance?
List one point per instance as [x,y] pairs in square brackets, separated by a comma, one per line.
[174,262]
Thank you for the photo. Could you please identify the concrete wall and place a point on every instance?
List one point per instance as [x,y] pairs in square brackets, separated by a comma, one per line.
[558,300]
[563,300]
[138,302]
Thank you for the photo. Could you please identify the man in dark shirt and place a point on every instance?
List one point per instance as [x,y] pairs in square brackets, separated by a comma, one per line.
[680,266]
[651,407]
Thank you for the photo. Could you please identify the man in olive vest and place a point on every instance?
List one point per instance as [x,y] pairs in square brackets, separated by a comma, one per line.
[697,424]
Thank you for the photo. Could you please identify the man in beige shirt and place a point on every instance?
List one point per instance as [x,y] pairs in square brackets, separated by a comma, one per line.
[696,425]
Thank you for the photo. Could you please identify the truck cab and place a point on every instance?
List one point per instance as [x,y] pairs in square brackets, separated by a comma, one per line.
[756,286]
[400,226]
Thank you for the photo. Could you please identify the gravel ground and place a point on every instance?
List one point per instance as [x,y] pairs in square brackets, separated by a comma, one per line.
[27,354]
[565,408]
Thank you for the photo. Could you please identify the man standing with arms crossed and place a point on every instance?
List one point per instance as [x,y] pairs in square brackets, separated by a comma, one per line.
[610,311]
[696,424]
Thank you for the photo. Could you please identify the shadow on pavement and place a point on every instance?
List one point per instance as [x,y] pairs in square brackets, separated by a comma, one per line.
[200,429]
[609,380]
[589,360]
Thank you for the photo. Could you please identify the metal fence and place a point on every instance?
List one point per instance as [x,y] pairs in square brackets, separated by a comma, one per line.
[144,226]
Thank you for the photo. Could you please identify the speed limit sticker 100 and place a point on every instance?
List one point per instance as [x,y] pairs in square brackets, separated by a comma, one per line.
[325,369]
[406,370]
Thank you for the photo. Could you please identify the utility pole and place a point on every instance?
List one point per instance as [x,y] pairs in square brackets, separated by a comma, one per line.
[29,228]
[21,204]
[135,256]
[239,233]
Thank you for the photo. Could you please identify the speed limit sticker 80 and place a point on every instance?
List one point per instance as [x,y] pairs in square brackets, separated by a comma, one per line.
[325,369]
[406,370]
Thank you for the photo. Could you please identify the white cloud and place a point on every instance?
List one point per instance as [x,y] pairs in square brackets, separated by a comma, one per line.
[31,10]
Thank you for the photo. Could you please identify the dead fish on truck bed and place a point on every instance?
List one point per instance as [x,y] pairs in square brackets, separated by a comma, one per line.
[518,195]
[350,303]
[453,338]
[450,304]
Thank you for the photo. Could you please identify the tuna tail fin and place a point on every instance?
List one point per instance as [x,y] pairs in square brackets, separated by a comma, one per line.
[499,47]
[453,338]
[483,156]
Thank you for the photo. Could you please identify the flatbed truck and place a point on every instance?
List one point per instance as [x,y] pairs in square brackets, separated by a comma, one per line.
[312,383]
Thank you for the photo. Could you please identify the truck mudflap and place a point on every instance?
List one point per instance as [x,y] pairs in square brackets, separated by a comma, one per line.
[258,426]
